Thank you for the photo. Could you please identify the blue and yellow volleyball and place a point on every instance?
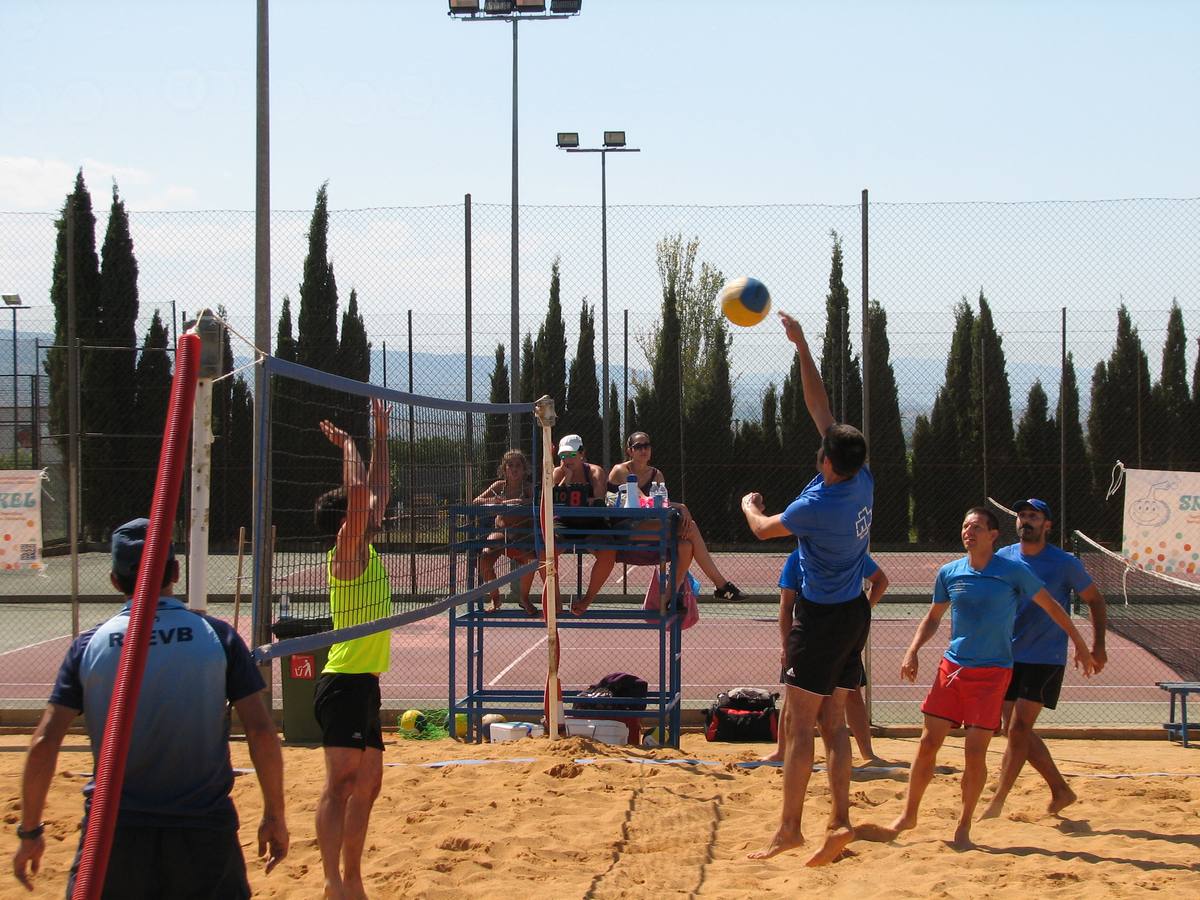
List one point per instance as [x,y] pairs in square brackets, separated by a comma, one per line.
[744,301]
[412,722]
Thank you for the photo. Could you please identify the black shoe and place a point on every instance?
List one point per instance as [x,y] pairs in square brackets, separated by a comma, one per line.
[728,591]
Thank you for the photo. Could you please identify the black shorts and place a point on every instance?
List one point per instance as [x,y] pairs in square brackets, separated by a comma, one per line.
[824,649]
[1038,682]
[152,862]
[347,709]
[862,683]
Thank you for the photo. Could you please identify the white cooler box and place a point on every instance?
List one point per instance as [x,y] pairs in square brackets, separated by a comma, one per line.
[514,731]
[606,731]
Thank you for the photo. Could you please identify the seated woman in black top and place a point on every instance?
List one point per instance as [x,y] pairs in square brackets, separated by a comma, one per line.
[513,536]
[637,445]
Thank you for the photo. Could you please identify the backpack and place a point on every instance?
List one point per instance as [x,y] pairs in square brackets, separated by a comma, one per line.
[743,714]
[620,690]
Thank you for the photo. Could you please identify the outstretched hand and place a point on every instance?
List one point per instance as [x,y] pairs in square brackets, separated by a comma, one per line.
[336,436]
[795,333]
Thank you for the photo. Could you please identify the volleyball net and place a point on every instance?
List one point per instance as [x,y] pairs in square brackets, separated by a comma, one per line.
[339,450]
[1158,612]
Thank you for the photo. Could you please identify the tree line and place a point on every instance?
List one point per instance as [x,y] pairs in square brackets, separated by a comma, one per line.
[684,400]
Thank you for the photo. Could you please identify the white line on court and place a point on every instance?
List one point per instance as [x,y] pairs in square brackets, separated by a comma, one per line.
[31,646]
[512,664]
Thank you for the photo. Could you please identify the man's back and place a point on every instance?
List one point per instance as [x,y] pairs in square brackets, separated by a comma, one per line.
[178,772]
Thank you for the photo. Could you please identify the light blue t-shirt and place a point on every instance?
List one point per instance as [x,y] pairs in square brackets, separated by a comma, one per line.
[790,576]
[983,606]
[177,773]
[832,525]
[1036,638]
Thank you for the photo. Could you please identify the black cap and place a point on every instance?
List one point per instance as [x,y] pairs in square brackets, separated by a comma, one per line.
[127,543]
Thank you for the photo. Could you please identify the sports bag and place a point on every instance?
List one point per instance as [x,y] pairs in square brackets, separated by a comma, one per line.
[620,690]
[743,714]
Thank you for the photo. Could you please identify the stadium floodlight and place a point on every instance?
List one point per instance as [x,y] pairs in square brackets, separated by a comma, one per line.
[15,299]
[614,142]
[515,11]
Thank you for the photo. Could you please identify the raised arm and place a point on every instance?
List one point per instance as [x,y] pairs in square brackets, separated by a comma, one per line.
[350,551]
[815,397]
[926,630]
[379,476]
[1098,613]
[1083,656]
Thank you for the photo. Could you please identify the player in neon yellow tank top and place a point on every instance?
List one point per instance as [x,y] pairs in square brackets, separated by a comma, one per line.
[347,699]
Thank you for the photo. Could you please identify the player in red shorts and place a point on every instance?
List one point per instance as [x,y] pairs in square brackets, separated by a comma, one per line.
[983,592]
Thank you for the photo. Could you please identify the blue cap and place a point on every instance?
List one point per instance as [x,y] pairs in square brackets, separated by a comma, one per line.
[1032,503]
[127,543]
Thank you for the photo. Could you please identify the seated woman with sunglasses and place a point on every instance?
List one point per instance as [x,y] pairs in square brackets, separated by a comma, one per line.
[571,471]
[638,446]
[513,536]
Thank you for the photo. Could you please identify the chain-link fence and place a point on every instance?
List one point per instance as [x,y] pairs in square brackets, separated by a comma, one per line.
[1052,278]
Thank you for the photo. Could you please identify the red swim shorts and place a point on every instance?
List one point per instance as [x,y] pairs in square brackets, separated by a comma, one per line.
[968,695]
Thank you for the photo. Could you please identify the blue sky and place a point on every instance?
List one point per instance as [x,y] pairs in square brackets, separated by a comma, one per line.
[396,104]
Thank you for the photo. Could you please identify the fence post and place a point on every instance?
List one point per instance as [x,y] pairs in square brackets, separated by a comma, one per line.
[1062,437]
[866,402]
[35,403]
[72,422]
[468,487]
[983,412]
[412,479]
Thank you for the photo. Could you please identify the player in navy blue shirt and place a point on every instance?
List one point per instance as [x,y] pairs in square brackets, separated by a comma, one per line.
[982,592]
[1039,650]
[831,521]
[177,829]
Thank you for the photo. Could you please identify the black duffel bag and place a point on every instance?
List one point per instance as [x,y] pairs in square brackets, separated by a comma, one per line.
[743,714]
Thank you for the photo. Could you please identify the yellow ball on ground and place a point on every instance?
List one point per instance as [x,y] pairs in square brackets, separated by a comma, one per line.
[412,722]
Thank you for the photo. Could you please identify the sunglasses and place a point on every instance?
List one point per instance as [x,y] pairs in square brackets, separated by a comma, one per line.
[645,446]
[569,454]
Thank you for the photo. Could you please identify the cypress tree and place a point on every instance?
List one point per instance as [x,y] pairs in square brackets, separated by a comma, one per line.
[888,456]
[776,484]
[528,383]
[87,278]
[353,360]
[1037,450]
[658,401]
[1080,509]
[107,374]
[151,396]
[225,491]
[581,413]
[1120,401]
[287,424]
[550,352]
[241,457]
[1170,438]
[841,372]
[925,513]
[495,440]
[991,409]
[708,415]
[799,439]
[616,440]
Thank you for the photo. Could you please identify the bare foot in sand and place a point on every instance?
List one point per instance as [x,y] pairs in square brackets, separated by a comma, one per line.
[1059,802]
[773,756]
[784,840]
[579,606]
[993,809]
[879,834]
[962,839]
[835,843]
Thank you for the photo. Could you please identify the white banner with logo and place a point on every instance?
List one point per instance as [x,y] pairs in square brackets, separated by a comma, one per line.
[1162,521]
[21,521]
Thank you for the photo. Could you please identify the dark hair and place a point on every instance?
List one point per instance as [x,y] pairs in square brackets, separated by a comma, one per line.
[845,448]
[629,440]
[128,584]
[329,512]
[993,522]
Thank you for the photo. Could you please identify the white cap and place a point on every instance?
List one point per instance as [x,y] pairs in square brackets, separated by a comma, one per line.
[570,443]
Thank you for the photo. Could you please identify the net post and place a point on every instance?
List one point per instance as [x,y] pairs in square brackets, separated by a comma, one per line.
[262,537]
[543,410]
[208,329]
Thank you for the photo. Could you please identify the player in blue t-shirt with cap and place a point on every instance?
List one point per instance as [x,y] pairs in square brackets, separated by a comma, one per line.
[177,829]
[1040,653]
[831,520]
[982,591]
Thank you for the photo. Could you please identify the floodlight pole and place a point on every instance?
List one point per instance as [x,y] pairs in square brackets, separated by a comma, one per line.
[514,354]
[606,413]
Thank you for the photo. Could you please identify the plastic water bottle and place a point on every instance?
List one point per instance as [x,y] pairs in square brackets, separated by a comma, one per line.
[285,607]
[658,491]
[632,492]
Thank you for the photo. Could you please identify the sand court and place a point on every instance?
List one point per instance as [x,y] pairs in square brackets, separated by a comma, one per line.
[572,818]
